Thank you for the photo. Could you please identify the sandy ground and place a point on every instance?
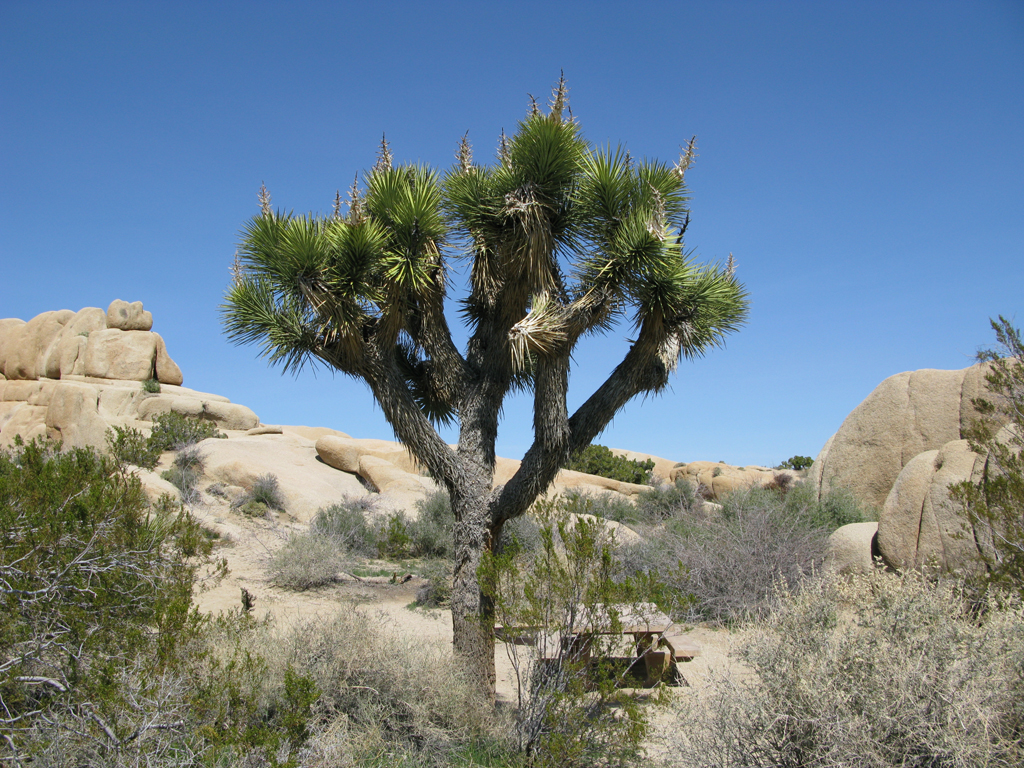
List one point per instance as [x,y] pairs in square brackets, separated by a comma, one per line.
[247,544]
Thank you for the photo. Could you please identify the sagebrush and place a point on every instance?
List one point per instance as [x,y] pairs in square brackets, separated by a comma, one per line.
[874,671]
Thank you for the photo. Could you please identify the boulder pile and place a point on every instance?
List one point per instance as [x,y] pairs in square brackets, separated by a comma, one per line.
[70,376]
[899,451]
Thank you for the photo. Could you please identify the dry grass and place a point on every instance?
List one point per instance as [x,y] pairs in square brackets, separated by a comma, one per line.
[880,670]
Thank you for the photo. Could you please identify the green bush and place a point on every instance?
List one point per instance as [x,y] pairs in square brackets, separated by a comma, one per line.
[91,580]
[151,385]
[996,504]
[572,707]
[185,473]
[393,539]
[173,431]
[431,532]
[263,496]
[873,670]
[599,460]
[129,446]
[347,525]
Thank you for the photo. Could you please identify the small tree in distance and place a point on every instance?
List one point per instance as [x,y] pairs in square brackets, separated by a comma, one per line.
[562,239]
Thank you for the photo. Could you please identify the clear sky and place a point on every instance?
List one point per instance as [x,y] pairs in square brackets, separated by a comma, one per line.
[864,161]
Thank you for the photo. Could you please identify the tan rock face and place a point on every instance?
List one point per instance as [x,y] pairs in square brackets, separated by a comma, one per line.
[116,354]
[65,357]
[19,419]
[187,402]
[851,548]
[919,525]
[345,453]
[28,346]
[11,329]
[128,317]
[722,479]
[905,415]
[306,484]
[73,416]
[166,370]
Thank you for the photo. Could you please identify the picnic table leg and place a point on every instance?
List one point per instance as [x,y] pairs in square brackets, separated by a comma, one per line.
[658,655]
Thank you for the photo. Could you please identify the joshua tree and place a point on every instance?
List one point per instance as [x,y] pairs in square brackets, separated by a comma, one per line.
[562,240]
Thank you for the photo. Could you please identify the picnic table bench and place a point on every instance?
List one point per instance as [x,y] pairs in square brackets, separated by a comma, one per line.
[654,652]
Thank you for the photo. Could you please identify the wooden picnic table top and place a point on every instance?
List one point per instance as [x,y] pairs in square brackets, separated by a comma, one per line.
[633,619]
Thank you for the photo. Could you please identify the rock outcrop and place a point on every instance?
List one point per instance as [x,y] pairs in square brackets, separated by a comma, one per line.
[117,344]
[71,376]
[900,450]
[921,526]
[905,415]
[721,479]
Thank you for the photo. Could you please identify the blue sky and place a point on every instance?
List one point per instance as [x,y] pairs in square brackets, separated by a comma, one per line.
[864,161]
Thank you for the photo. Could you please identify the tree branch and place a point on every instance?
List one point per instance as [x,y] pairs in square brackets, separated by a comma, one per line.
[411,427]
[641,370]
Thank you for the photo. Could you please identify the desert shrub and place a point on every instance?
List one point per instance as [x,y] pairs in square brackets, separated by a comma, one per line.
[346,523]
[92,580]
[380,694]
[609,505]
[572,710]
[599,460]
[722,564]
[256,509]
[431,531]
[437,590]
[185,474]
[173,431]
[522,534]
[781,482]
[393,539]
[129,446]
[218,489]
[667,501]
[996,504]
[151,386]
[833,509]
[263,496]
[796,462]
[871,670]
[305,562]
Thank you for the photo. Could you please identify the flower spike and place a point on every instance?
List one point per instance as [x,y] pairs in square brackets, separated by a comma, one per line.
[264,200]
[559,97]
[686,158]
[465,153]
[385,160]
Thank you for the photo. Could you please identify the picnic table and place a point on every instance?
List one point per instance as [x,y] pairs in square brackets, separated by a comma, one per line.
[653,653]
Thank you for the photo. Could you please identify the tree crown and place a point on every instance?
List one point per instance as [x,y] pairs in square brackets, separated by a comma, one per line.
[563,239]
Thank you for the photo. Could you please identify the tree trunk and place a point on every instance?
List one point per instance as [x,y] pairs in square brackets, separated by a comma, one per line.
[472,611]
